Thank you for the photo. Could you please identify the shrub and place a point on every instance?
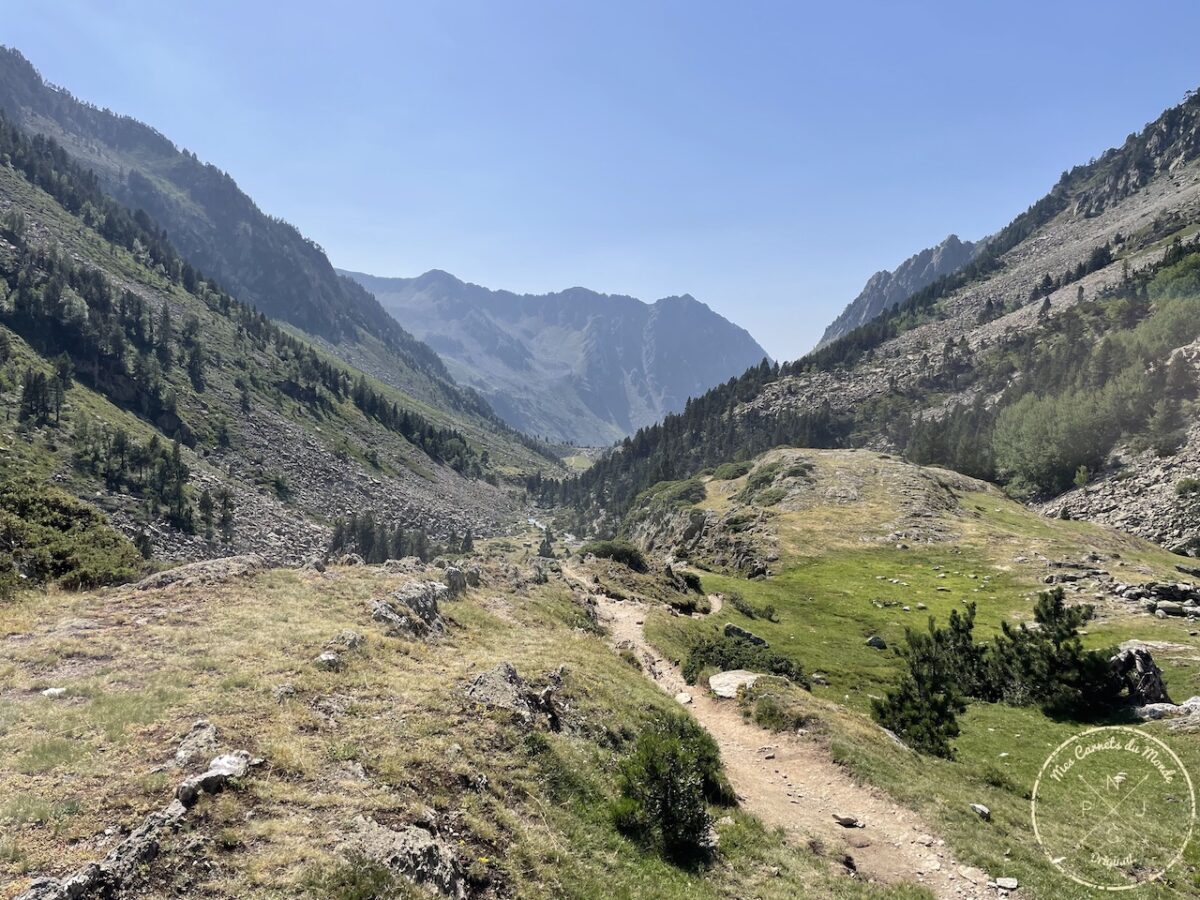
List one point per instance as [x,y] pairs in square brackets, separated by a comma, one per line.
[749,610]
[618,551]
[51,536]
[665,785]
[1185,486]
[730,471]
[723,652]
[923,708]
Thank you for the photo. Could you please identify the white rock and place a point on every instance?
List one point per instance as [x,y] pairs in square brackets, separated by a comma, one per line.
[726,684]
[683,697]
[52,693]
[1007,884]
[982,811]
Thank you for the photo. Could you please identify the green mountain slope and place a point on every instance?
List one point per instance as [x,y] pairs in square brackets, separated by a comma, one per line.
[196,423]
[260,259]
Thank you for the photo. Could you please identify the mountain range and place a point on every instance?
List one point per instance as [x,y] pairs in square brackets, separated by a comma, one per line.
[576,365]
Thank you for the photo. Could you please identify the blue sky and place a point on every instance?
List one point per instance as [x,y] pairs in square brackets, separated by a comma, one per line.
[764,157]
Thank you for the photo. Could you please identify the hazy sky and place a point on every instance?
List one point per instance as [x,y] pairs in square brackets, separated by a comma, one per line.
[764,157]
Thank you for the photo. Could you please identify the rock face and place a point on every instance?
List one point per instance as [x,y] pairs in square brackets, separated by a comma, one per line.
[726,684]
[412,853]
[576,365]
[885,289]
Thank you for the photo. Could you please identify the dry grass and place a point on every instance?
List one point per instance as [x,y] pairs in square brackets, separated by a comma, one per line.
[141,667]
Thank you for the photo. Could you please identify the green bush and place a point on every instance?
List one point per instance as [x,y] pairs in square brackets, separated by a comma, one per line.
[665,786]
[730,471]
[1185,486]
[749,610]
[52,537]
[723,652]
[618,551]
[1045,666]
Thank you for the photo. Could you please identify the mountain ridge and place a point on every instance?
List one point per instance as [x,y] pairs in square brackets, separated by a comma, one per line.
[575,365]
[887,288]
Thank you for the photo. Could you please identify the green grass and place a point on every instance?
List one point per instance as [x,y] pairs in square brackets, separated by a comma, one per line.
[826,610]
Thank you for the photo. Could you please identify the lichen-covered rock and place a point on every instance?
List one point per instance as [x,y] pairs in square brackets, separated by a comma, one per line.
[199,743]
[410,852]
[456,581]
[209,571]
[215,779]
[413,610]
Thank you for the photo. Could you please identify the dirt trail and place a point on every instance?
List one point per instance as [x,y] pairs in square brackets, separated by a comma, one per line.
[792,783]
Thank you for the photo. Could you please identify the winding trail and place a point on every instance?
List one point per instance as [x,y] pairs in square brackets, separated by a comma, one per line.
[791,783]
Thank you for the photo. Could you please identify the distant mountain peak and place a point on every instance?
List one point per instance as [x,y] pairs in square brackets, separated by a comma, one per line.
[575,365]
[886,289]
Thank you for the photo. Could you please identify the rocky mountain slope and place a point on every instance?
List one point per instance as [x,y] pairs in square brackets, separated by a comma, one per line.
[197,424]
[885,289]
[1061,353]
[215,226]
[574,366]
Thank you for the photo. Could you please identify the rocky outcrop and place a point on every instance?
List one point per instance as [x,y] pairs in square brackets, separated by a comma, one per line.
[125,864]
[410,852]
[503,688]
[205,572]
[412,611]
[885,289]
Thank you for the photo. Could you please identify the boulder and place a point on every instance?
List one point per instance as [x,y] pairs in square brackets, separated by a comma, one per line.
[982,811]
[215,779]
[412,610]
[346,640]
[738,633]
[1142,677]
[1170,608]
[199,743]
[330,661]
[1007,884]
[502,688]
[876,642]
[726,684]
[412,853]
[456,581]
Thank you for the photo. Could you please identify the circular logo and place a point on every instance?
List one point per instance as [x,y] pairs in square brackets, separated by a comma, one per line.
[1113,808]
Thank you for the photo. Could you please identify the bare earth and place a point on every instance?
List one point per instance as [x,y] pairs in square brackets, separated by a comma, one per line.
[800,789]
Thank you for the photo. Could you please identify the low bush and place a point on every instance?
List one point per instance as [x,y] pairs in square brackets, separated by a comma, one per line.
[51,537]
[723,652]
[730,471]
[749,610]
[1185,486]
[618,551]
[665,786]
